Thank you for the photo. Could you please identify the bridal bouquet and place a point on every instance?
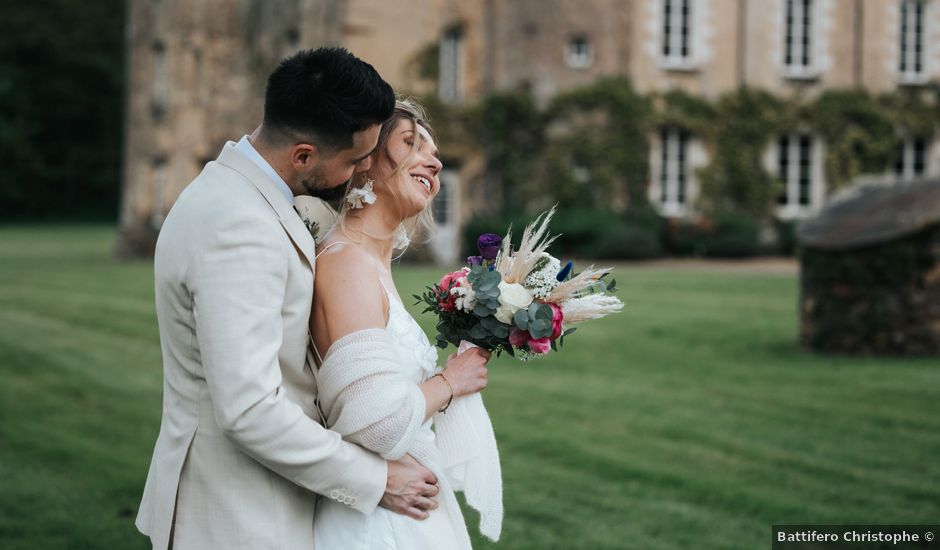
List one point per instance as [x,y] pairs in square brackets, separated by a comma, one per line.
[517,300]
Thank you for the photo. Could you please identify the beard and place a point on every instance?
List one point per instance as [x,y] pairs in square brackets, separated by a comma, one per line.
[318,186]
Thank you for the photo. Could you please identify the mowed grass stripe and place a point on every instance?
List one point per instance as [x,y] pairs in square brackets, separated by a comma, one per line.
[690,420]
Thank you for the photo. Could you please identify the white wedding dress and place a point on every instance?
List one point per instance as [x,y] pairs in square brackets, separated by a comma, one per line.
[338,527]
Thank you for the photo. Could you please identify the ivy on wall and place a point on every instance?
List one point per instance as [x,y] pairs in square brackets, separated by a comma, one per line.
[683,110]
[735,180]
[596,147]
[859,134]
[590,147]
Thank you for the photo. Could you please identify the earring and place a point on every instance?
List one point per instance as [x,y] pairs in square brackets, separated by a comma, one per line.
[401,238]
[359,195]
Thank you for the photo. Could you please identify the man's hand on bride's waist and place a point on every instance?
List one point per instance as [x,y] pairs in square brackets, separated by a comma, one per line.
[411,489]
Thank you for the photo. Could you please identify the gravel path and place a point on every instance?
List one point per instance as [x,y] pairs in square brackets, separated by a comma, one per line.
[771,265]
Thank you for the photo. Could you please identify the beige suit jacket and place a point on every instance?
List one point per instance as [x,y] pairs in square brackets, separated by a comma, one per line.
[241,451]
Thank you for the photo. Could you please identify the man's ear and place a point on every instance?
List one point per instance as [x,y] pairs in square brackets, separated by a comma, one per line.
[304,156]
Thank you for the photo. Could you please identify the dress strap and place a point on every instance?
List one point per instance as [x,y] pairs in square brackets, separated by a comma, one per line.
[327,247]
[315,371]
[388,294]
[313,346]
[385,288]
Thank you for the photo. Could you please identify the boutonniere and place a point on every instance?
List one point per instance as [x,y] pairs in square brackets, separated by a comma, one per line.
[314,229]
[312,225]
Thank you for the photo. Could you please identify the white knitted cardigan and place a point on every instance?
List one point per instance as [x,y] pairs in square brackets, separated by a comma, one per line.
[367,399]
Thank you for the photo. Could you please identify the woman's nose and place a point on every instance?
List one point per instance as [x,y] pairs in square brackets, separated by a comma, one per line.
[434,164]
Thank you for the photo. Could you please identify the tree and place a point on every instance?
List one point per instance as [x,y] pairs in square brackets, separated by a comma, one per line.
[61,98]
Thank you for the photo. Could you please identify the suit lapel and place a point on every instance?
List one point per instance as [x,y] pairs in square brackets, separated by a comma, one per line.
[290,220]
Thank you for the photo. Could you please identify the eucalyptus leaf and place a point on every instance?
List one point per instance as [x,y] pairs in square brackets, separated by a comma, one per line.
[544,312]
[521,319]
[477,332]
[491,305]
[489,282]
[491,323]
[540,329]
[530,312]
[481,310]
[493,295]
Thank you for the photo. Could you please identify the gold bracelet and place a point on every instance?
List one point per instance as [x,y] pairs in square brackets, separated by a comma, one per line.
[451,398]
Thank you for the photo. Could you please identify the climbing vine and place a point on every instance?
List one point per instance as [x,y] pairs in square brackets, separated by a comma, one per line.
[596,150]
[590,147]
[859,134]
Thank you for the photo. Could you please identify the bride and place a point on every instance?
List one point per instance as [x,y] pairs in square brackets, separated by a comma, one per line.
[379,384]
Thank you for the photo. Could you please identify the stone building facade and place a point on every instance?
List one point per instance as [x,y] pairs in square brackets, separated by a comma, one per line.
[793,48]
[197,72]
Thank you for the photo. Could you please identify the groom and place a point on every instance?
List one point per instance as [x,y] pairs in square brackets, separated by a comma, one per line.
[241,451]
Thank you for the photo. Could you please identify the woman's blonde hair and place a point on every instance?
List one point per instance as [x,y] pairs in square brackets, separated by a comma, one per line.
[406,108]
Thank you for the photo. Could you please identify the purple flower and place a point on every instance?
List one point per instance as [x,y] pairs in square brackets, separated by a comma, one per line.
[474,260]
[488,245]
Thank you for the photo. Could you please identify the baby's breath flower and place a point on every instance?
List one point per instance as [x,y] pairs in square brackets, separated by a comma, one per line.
[543,278]
[466,297]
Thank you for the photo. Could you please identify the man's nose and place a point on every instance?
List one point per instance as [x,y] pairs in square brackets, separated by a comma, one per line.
[364,165]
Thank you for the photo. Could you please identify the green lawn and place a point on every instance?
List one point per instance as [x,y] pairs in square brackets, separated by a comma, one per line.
[690,420]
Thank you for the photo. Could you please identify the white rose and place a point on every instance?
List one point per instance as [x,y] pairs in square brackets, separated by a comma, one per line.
[512,298]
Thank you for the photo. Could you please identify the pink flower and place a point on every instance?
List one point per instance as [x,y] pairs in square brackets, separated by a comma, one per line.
[557,318]
[539,346]
[519,338]
[446,299]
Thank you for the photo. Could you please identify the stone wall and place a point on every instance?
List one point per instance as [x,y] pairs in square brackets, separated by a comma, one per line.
[882,300]
[196,76]
[196,70]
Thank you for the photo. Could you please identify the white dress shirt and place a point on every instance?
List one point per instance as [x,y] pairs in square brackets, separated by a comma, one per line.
[246,148]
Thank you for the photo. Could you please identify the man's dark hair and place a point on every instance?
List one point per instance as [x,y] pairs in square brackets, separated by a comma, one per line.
[325,96]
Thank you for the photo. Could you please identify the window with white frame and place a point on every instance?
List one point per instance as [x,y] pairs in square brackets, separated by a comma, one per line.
[450,80]
[911,58]
[795,172]
[799,29]
[443,207]
[677,32]
[673,169]
[578,53]
[911,159]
